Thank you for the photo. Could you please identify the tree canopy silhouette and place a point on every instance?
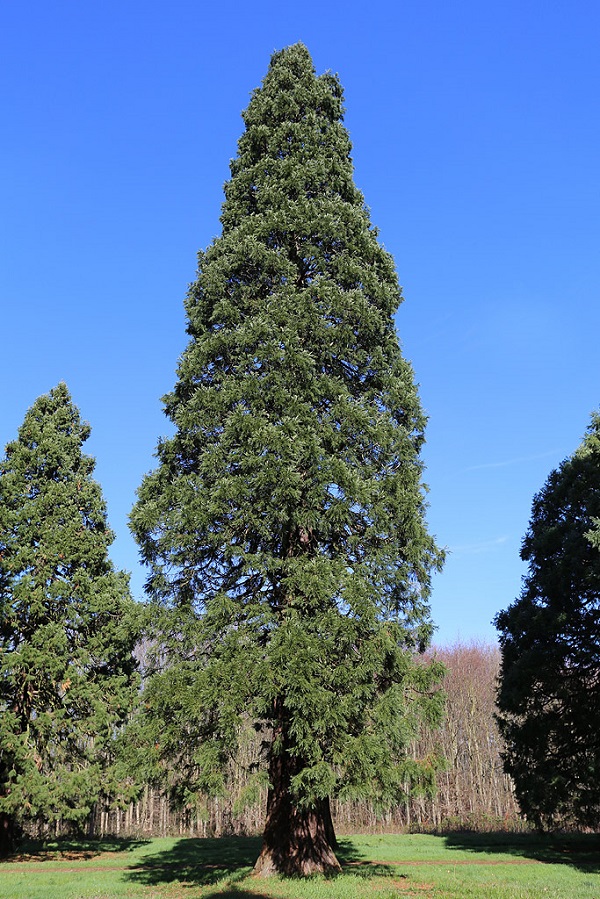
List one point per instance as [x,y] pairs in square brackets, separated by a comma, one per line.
[549,697]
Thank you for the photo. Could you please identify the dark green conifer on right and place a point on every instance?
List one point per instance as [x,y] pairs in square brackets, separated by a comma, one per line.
[284,525]
[549,697]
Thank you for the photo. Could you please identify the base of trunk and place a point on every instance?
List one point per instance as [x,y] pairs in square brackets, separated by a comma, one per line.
[297,842]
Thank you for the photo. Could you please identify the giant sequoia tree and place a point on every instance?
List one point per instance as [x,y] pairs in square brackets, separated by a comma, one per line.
[549,697]
[284,524]
[66,624]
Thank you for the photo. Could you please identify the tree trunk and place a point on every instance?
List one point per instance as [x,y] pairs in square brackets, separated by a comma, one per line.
[10,834]
[296,841]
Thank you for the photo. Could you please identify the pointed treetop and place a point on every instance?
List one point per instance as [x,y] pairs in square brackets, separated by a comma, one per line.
[283,93]
[53,413]
[294,155]
[295,57]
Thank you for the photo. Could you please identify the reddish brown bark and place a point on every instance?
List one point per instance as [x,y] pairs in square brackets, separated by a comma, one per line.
[297,840]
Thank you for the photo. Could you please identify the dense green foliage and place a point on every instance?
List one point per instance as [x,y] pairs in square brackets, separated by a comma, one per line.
[549,698]
[67,622]
[284,524]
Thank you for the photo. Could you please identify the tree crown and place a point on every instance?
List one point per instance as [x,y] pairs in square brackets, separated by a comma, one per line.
[68,624]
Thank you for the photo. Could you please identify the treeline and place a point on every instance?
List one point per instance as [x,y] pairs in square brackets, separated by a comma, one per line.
[473,792]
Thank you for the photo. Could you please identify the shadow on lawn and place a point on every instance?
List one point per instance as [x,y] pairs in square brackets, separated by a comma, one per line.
[74,848]
[232,891]
[580,851]
[354,862]
[199,862]
[202,862]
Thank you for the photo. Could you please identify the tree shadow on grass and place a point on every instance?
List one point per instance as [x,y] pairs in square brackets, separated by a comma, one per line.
[358,864]
[234,892]
[75,848]
[199,862]
[229,861]
[580,851]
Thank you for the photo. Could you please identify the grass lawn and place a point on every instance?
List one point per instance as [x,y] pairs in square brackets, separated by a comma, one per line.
[492,866]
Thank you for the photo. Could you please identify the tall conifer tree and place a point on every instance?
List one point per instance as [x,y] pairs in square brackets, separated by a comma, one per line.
[549,696]
[67,624]
[284,524]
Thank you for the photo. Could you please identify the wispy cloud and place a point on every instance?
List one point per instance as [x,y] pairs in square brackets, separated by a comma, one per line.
[517,461]
[483,546]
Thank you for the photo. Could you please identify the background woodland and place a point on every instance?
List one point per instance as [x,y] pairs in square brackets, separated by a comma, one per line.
[473,791]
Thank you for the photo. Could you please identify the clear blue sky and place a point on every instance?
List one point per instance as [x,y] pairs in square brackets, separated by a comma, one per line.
[476,132]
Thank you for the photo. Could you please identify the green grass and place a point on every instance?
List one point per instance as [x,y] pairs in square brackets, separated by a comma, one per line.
[486,866]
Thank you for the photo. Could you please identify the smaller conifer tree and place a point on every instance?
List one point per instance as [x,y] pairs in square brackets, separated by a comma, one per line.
[67,624]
